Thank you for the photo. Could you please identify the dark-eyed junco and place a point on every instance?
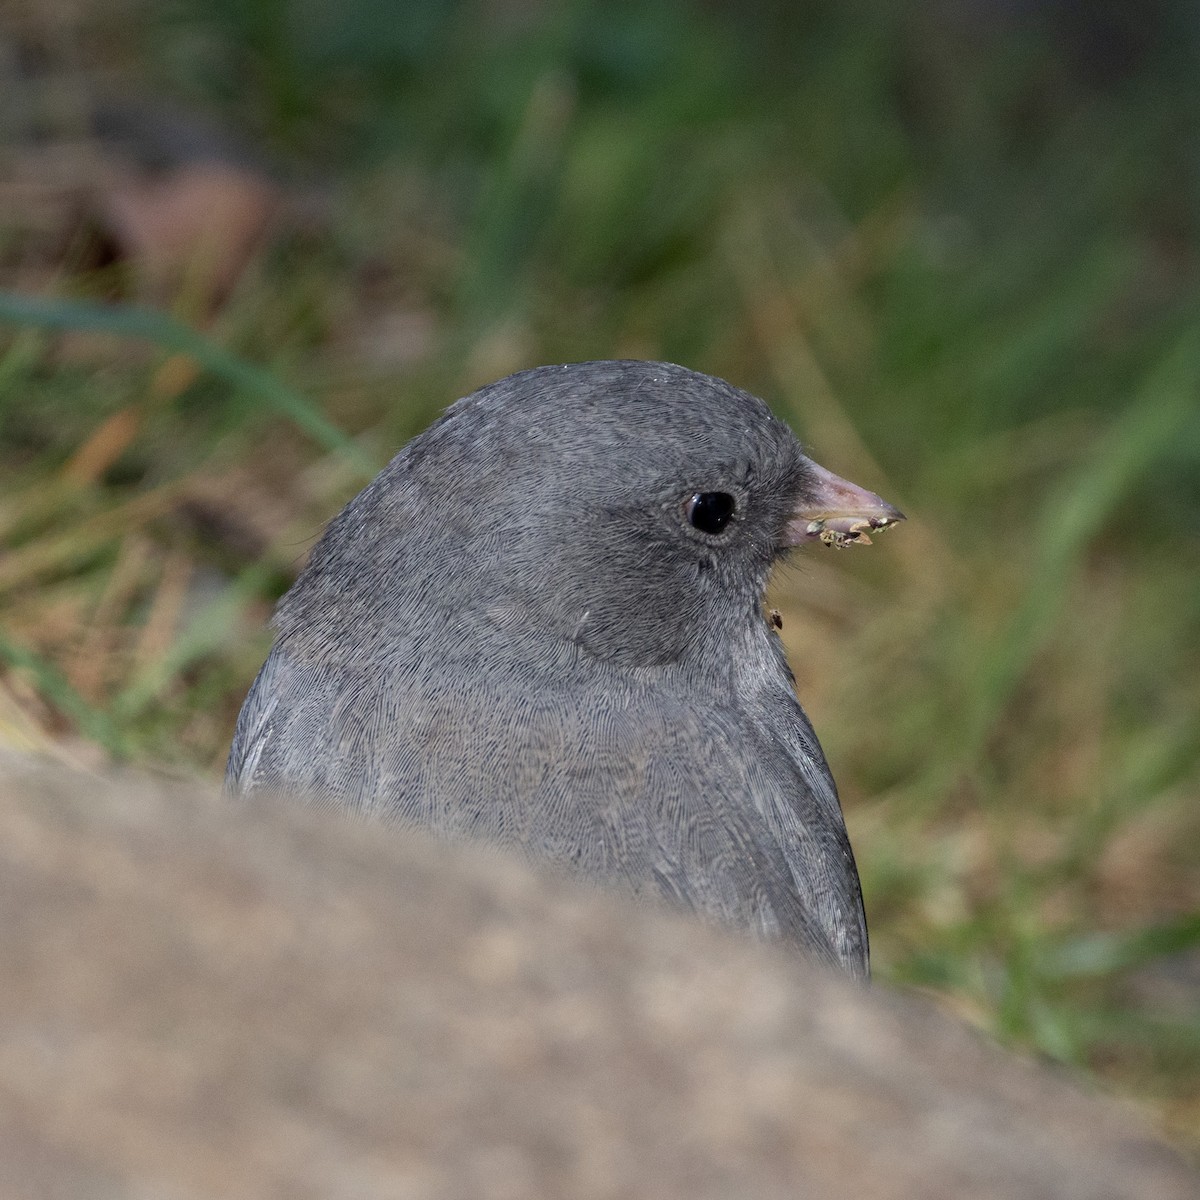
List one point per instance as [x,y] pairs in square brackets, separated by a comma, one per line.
[542,625]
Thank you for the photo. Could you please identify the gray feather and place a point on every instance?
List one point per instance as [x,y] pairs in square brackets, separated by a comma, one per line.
[511,634]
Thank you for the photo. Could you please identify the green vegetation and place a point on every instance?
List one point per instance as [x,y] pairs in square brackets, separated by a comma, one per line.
[960,255]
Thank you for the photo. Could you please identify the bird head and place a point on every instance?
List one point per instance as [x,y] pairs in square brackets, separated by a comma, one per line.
[633,509]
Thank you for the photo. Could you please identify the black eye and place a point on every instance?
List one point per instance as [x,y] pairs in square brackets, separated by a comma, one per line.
[709,512]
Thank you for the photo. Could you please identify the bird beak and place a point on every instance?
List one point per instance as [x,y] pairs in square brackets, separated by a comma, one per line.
[838,512]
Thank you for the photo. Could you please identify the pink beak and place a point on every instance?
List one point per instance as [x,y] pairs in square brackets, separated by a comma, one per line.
[839,513]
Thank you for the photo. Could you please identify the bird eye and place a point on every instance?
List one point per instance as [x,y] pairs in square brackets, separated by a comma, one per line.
[709,512]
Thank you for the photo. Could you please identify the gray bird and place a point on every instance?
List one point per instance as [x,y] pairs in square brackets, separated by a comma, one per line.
[542,626]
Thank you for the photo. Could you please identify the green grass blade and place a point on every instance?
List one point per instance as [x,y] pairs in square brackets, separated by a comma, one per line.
[1074,514]
[1098,954]
[164,331]
[206,632]
[93,724]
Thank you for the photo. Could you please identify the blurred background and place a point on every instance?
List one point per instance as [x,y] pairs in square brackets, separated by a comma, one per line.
[249,247]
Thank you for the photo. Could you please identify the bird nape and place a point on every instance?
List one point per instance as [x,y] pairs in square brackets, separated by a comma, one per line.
[542,625]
